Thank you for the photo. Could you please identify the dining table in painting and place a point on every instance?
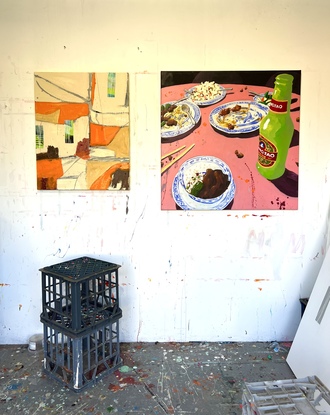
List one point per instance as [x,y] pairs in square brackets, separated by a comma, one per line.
[239,150]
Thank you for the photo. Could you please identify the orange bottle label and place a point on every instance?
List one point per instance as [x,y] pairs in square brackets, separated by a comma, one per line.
[267,152]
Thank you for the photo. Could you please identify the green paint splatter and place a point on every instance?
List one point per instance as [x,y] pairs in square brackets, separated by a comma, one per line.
[125,369]
[110,408]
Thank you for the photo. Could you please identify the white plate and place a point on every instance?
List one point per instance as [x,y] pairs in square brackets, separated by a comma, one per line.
[246,120]
[185,202]
[187,126]
[212,101]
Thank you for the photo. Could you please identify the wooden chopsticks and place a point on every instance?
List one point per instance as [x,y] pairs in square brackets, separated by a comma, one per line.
[172,152]
[167,166]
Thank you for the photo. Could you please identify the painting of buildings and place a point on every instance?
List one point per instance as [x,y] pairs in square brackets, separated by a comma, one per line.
[82,131]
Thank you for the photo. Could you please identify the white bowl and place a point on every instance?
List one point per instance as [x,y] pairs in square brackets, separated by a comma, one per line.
[197,166]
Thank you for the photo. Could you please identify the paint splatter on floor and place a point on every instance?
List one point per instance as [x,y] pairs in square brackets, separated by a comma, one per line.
[155,379]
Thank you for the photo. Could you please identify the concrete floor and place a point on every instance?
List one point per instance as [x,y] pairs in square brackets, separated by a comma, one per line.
[155,379]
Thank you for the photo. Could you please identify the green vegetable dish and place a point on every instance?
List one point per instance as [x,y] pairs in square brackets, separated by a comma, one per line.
[266,98]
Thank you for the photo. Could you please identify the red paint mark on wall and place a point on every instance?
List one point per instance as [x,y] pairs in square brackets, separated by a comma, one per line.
[253,215]
[260,280]
[297,244]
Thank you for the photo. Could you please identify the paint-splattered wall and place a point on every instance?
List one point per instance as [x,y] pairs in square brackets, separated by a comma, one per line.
[184,276]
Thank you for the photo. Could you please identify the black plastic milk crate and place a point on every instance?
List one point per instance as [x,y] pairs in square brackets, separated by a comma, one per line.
[79,294]
[80,361]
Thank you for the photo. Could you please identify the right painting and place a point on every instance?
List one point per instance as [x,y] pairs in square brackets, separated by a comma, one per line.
[230,140]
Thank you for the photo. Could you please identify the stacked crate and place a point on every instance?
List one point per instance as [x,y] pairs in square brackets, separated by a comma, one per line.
[304,396]
[80,315]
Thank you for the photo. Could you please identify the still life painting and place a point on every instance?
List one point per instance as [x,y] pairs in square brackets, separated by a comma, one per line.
[230,140]
[82,131]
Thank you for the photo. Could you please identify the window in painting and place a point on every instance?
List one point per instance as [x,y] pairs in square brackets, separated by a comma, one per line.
[39,136]
[111,84]
[69,131]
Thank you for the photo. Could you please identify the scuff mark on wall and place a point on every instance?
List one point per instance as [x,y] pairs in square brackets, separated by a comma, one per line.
[139,331]
[138,219]
[127,200]
[284,298]
[63,242]
[298,245]
[3,284]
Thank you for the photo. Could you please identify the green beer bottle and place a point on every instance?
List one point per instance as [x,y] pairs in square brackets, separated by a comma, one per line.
[276,130]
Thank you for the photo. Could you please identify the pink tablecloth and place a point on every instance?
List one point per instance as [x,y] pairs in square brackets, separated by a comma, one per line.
[253,191]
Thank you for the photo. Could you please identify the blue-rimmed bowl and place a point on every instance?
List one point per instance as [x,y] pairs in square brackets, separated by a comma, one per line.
[195,168]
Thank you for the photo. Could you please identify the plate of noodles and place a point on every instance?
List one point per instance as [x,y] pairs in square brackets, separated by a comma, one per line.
[178,118]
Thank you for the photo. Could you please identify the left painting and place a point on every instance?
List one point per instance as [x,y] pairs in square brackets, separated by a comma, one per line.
[82,133]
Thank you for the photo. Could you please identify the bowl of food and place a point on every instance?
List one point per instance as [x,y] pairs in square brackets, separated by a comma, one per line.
[263,98]
[207,180]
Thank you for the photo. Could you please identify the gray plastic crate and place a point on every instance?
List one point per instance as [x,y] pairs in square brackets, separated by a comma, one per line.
[80,361]
[304,396]
[79,294]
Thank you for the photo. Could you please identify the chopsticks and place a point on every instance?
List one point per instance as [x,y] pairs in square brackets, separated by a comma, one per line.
[172,152]
[167,166]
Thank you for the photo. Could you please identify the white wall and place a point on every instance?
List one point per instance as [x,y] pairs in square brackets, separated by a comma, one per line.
[184,275]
